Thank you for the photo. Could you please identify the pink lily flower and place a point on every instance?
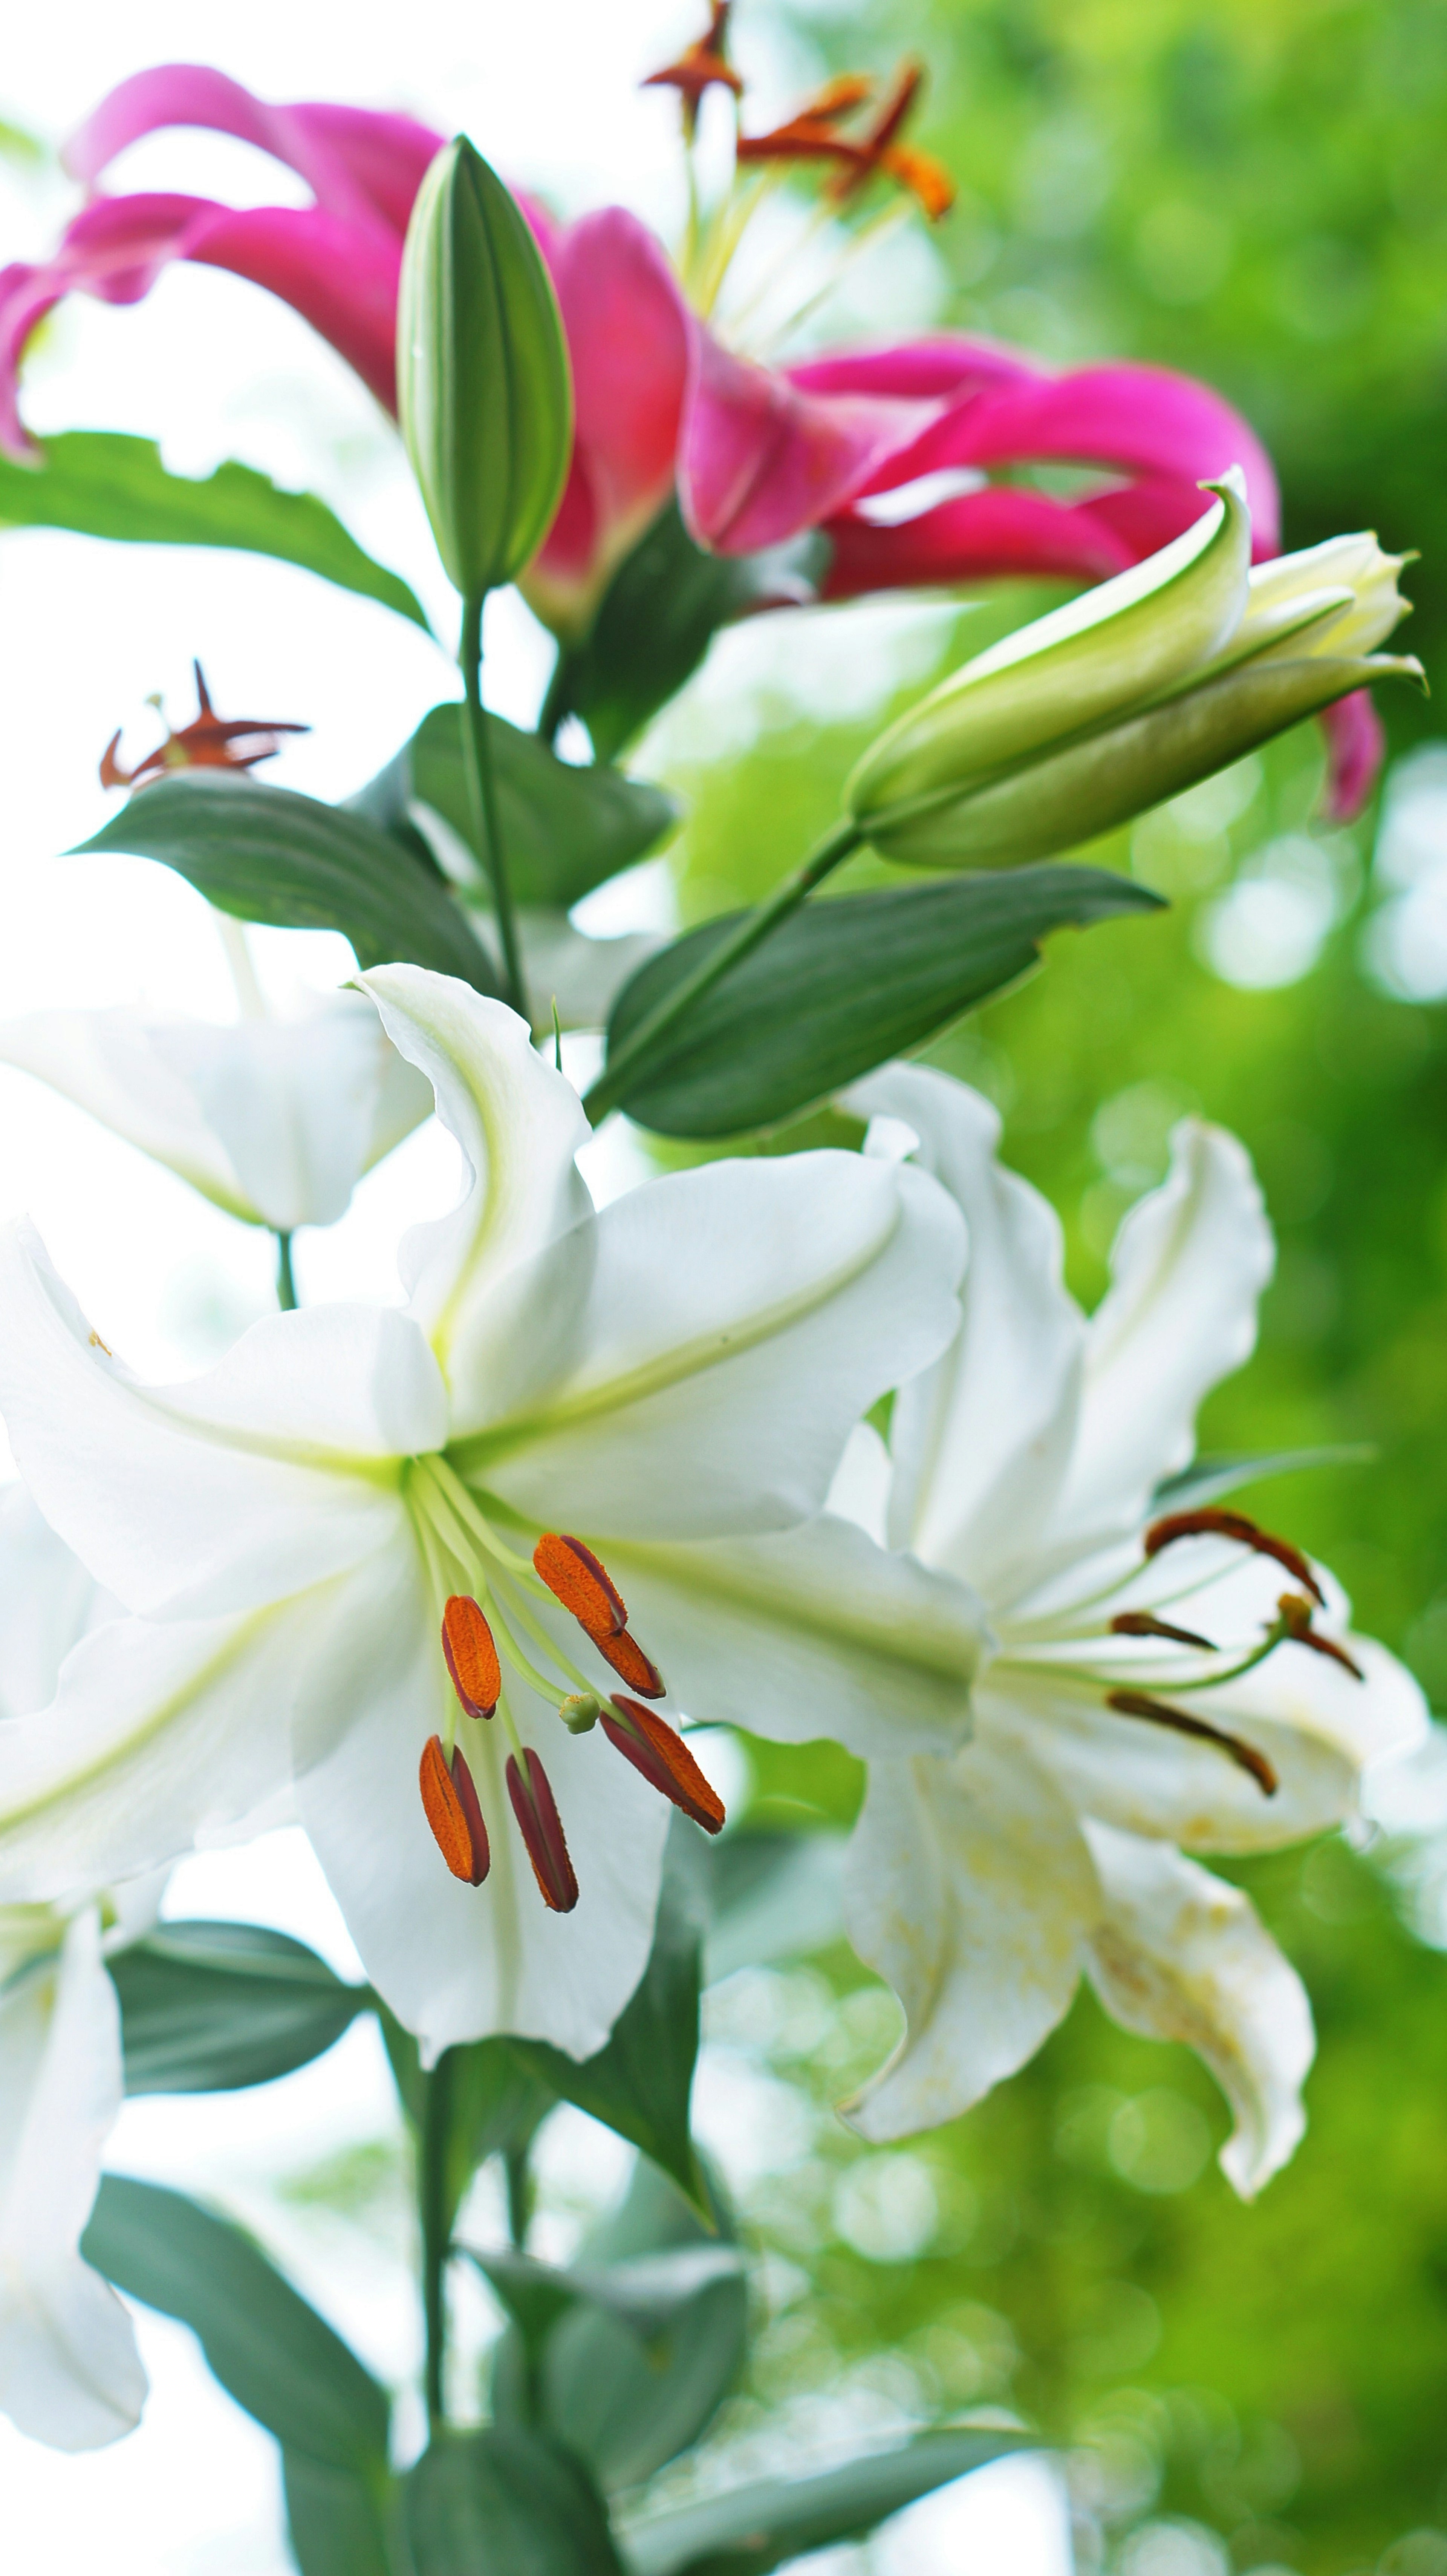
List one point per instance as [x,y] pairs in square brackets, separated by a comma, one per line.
[891,452]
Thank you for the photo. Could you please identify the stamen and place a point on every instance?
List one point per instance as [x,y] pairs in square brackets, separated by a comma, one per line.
[573,1574]
[450,1803]
[1143,1623]
[541,1828]
[1129,1703]
[580,1712]
[629,1661]
[470,1655]
[1210,1522]
[1296,1619]
[700,67]
[664,1760]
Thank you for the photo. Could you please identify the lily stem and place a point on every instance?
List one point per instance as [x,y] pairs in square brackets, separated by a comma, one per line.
[432,2198]
[623,1062]
[482,791]
[286,1297]
[518,2176]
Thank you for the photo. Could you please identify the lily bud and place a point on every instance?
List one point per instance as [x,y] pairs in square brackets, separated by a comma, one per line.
[484,389]
[1128,695]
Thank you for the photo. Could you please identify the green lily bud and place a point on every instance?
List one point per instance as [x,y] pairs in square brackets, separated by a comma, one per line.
[1075,724]
[483,384]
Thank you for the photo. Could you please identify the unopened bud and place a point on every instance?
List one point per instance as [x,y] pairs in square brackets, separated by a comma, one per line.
[580,1712]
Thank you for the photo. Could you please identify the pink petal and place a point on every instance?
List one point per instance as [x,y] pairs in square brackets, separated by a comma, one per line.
[760,459]
[387,157]
[1356,746]
[985,536]
[949,364]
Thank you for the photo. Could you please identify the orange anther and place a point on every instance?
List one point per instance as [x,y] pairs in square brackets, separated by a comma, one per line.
[1130,1703]
[629,1661]
[470,1655]
[665,1761]
[1210,1522]
[450,1803]
[701,66]
[1296,1619]
[541,1828]
[1144,1623]
[573,1573]
[209,741]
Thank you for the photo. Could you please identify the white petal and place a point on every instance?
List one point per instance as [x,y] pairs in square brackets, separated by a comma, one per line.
[519,1125]
[109,1063]
[737,1322]
[70,2374]
[1189,1265]
[980,1441]
[456,1962]
[181,1522]
[969,1887]
[814,1632]
[159,1738]
[1178,1954]
[47,1601]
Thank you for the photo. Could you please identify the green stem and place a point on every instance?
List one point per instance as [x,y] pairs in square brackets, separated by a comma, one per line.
[519,2195]
[558,703]
[623,1063]
[432,2197]
[482,789]
[286,1297]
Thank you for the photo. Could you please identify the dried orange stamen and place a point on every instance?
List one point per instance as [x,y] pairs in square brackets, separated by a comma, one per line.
[701,66]
[810,136]
[450,1803]
[1296,1619]
[1129,1703]
[572,1572]
[1143,1623]
[207,742]
[664,1760]
[470,1655]
[541,1828]
[1213,1523]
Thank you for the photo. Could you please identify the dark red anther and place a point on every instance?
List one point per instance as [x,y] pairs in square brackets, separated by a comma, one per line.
[207,742]
[541,1828]
[653,1748]
[701,66]
[1210,1522]
[1143,1623]
[1130,1703]
[450,1803]
[1296,1619]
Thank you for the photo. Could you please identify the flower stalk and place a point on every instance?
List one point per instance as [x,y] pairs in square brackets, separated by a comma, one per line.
[482,791]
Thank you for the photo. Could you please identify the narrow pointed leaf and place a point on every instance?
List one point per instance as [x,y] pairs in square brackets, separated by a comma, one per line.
[209,2006]
[748,2530]
[506,2503]
[101,483]
[1210,1476]
[267,854]
[841,986]
[270,2351]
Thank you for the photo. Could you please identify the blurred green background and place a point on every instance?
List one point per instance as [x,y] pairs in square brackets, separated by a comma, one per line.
[1255,191]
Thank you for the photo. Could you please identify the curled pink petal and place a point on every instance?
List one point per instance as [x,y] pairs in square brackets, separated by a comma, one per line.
[948,364]
[760,460]
[1001,534]
[1356,746]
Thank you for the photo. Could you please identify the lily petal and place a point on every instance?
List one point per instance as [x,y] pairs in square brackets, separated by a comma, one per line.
[970,1888]
[47,1600]
[70,2374]
[1177,1954]
[759,460]
[1004,533]
[1356,746]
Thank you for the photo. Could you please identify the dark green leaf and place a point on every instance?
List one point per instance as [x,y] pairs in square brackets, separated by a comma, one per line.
[629,2400]
[269,2350]
[772,1896]
[660,612]
[1207,1477]
[640,2083]
[103,484]
[269,855]
[494,2103]
[748,2530]
[207,2006]
[647,2294]
[341,2523]
[839,987]
[564,829]
[506,2503]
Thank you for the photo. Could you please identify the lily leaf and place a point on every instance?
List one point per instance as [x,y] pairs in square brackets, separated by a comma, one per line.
[639,2084]
[270,2351]
[748,2530]
[341,2523]
[510,2502]
[102,483]
[206,2007]
[492,2103]
[565,829]
[773,1896]
[842,985]
[1208,1477]
[267,854]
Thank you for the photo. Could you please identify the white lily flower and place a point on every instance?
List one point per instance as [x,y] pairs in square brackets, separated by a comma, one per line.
[275,1120]
[70,2374]
[1152,1681]
[355,1537]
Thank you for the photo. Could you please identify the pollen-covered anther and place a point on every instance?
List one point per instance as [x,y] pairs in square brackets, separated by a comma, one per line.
[1159,1712]
[574,1575]
[653,1748]
[1210,1522]
[470,1655]
[450,1803]
[1296,1620]
[631,1665]
[1144,1623]
[541,1828]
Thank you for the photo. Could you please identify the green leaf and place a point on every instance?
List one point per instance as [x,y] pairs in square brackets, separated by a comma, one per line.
[506,2503]
[656,620]
[748,2530]
[564,829]
[270,2351]
[209,2006]
[267,854]
[841,986]
[484,389]
[639,2084]
[103,484]
[772,1896]
[341,2523]
[1208,1477]
[494,2103]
